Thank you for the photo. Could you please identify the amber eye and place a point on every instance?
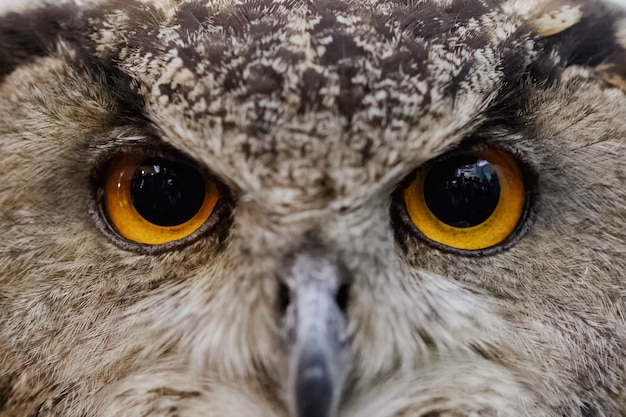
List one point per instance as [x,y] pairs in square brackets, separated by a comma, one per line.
[468,201]
[154,200]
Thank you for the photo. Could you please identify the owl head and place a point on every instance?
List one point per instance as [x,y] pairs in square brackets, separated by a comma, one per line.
[287,208]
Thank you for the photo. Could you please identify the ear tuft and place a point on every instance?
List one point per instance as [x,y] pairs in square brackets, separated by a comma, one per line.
[613,69]
[36,32]
[556,16]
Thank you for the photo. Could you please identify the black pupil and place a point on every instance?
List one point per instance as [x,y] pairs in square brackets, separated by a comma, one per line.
[462,191]
[166,193]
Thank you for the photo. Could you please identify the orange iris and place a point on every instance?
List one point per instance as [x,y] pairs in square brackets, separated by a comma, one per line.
[155,200]
[492,186]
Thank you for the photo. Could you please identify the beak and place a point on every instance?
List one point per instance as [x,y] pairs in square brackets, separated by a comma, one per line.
[318,337]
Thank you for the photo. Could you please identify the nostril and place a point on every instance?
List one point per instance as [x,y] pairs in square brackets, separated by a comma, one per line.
[282,299]
[343,296]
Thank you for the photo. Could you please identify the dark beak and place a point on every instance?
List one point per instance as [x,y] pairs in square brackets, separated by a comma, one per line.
[319,341]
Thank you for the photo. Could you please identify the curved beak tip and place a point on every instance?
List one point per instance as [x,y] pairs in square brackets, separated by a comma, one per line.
[314,391]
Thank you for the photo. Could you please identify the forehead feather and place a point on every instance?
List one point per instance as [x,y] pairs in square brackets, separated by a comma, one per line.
[381,84]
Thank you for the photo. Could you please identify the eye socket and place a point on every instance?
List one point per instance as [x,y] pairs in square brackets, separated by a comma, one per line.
[469,201]
[154,200]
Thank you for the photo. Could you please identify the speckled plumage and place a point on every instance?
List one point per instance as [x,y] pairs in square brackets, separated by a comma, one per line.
[312,114]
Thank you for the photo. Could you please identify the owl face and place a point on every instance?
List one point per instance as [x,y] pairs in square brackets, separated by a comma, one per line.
[312,209]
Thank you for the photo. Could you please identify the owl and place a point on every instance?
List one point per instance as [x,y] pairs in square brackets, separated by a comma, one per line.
[313,208]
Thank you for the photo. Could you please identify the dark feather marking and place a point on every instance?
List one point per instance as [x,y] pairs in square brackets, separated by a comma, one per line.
[192,16]
[592,40]
[27,36]
[434,22]
[341,47]
[616,64]
[263,80]
[351,98]
[6,389]
[515,81]
[588,43]
[468,9]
